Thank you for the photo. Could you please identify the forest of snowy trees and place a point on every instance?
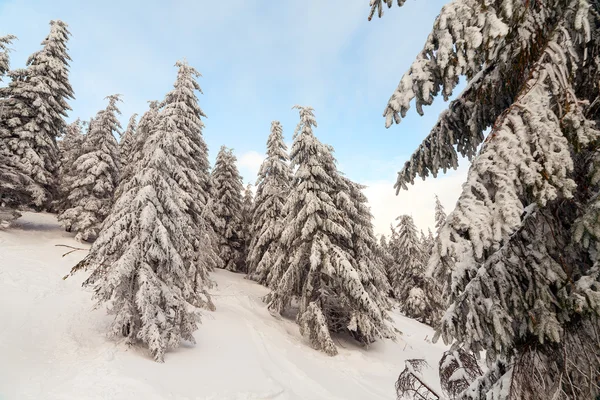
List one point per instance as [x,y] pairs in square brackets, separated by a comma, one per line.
[512,270]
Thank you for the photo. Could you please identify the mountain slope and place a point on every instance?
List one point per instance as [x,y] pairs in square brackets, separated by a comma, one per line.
[53,345]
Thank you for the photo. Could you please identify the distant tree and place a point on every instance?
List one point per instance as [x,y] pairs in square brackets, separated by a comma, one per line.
[416,293]
[227,193]
[321,272]
[440,214]
[70,148]
[272,189]
[247,211]
[34,107]
[96,176]
[127,140]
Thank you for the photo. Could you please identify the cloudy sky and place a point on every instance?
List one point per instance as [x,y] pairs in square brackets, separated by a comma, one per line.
[258,59]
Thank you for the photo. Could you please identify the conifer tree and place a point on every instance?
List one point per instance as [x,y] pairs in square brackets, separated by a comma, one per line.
[521,247]
[367,258]
[417,295]
[440,214]
[16,188]
[35,105]
[227,208]
[90,194]
[272,189]
[148,122]
[127,141]
[247,211]
[146,261]
[70,148]
[333,295]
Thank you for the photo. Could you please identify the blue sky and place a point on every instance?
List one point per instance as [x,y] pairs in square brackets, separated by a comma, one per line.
[257,59]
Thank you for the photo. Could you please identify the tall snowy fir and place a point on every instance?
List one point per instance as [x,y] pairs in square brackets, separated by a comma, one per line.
[149,263]
[16,188]
[272,188]
[333,295]
[181,106]
[96,176]
[127,141]
[70,147]
[34,108]
[521,246]
[227,194]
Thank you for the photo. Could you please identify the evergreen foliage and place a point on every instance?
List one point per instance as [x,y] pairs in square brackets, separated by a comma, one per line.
[34,107]
[334,293]
[95,176]
[272,188]
[520,250]
[227,208]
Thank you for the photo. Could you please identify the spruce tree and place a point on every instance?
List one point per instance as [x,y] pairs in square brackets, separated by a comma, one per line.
[227,208]
[16,188]
[70,147]
[247,211]
[148,122]
[367,257]
[146,261]
[127,141]
[321,272]
[440,214]
[417,294]
[272,189]
[35,105]
[521,247]
[96,176]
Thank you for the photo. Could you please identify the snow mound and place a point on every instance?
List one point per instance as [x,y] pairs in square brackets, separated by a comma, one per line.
[53,343]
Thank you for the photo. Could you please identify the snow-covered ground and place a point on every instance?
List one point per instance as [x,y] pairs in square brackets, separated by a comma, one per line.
[53,344]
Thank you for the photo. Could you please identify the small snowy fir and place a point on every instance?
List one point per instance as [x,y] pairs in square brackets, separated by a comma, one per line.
[272,189]
[227,208]
[96,176]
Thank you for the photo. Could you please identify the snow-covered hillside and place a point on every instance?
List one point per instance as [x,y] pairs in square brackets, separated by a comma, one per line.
[53,345]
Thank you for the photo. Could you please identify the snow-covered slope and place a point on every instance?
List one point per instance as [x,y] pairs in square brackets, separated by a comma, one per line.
[53,345]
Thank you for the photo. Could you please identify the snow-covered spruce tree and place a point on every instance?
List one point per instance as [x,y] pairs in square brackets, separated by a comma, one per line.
[417,294]
[182,107]
[70,147]
[521,246]
[34,108]
[143,259]
[148,122]
[272,189]
[16,188]
[247,211]
[127,140]
[227,193]
[366,253]
[320,273]
[96,176]
[440,214]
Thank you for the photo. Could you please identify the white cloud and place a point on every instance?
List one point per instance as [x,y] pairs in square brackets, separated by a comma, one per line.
[249,164]
[418,201]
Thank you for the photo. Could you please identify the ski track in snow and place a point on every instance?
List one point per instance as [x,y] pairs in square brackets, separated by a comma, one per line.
[53,343]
